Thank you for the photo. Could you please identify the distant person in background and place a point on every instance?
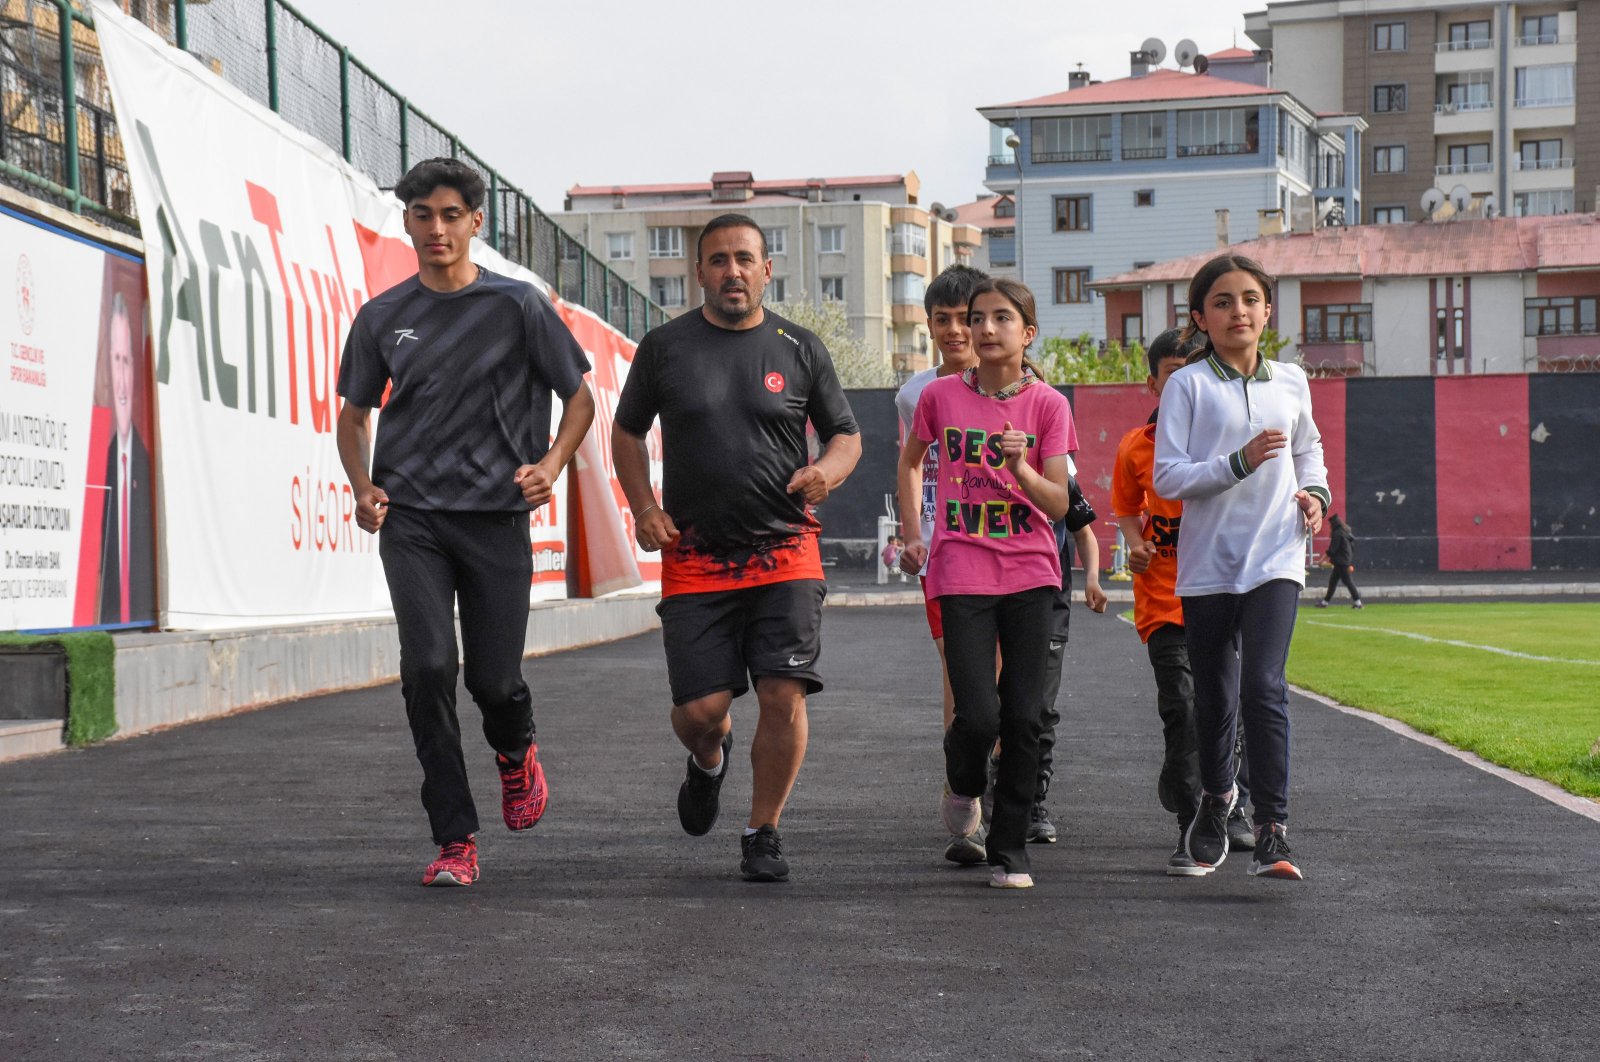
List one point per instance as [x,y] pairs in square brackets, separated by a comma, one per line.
[1342,555]
[891,554]
[127,552]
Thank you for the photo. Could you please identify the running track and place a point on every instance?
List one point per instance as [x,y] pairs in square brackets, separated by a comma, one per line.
[245,889]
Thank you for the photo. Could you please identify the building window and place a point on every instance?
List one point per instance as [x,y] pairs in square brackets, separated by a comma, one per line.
[909,238]
[908,289]
[1389,37]
[1468,36]
[1083,139]
[667,291]
[1143,197]
[1340,323]
[1072,285]
[1390,159]
[1541,155]
[1073,213]
[1467,158]
[833,289]
[1002,248]
[1471,91]
[1539,29]
[1387,98]
[1005,207]
[777,290]
[830,240]
[1561,316]
[1221,131]
[1545,86]
[619,246]
[777,241]
[1144,135]
[1388,215]
[571,250]
[1554,201]
[1132,328]
[666,243]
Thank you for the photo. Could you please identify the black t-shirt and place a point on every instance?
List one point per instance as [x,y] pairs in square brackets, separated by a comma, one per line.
[472,374]
[733,408]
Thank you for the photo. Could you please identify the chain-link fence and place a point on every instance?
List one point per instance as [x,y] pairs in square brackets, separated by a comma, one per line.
[59,138]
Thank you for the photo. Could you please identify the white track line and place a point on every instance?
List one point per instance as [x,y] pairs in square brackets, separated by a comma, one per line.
[1452,641]
[1589,809]
[1578,805]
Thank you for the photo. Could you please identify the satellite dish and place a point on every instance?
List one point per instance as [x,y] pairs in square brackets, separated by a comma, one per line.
[950,215]
[1460,197]
[1186,51]
[1201,64]
[936,208]
[1432,200]
[1491,207]
[1155,49]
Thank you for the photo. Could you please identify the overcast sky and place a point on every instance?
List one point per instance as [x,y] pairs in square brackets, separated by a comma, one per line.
[632,91]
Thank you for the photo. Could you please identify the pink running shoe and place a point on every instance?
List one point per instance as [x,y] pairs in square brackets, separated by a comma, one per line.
[523,792]
[457,864]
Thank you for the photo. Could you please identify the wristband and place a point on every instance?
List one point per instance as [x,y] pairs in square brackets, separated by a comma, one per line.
[641,513]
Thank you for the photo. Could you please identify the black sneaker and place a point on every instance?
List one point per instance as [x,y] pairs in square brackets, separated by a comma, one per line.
[1241,835]
[1040,829]
[1272,858]
[763,856]
[698,802]
[1179,865]
[1206,840]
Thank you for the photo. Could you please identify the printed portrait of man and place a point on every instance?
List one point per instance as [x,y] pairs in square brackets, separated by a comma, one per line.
[127,575]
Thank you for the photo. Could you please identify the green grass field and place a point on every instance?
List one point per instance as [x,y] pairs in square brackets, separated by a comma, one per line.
[1538,713]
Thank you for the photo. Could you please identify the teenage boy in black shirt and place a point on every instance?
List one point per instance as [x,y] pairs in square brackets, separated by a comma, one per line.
[471,359]
[741,575]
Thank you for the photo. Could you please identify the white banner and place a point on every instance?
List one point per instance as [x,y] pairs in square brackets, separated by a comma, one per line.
[75,489]
[261,244]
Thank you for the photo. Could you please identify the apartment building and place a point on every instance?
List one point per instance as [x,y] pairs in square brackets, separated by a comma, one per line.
[995,216]
[862,241]
[1110,176]
[1465,296]
[1494,105]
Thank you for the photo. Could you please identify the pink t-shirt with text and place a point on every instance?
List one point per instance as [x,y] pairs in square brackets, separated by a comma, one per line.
[988,538]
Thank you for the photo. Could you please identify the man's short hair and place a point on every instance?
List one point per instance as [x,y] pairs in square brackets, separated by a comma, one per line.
[429,174]
[953,287]
[1169,344]
[731,221]
[119,308]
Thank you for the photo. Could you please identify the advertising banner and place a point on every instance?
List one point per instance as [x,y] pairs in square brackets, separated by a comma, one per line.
[261,245]
[76,545]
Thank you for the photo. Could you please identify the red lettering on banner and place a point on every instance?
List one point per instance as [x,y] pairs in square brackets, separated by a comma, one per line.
[322,517]
[264,209]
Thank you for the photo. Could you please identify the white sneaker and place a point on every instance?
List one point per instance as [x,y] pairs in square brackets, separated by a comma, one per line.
[960,814]
[1000,879]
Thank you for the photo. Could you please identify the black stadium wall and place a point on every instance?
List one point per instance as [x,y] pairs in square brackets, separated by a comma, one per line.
[1460,473]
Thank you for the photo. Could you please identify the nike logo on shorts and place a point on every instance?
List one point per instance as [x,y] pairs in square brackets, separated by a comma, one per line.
[799,663]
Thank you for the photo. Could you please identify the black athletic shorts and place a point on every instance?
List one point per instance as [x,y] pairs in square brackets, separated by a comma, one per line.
[723,639]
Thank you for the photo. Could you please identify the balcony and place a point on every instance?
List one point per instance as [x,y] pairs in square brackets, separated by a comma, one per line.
[1553,112]
[1145,152]
[1474,116]
[1002,160]
[1475,45]
[1190,150]
[1451,168]
[1459,57]
[1520,163]
[1094,155]
[1535,40]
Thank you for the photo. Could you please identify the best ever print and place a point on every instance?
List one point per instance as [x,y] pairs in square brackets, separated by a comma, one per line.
[973,456]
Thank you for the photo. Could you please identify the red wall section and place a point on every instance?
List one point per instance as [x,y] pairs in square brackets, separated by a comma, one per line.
[1327,408]
[1555,284]
[1103,414]
[1481,439]
[1329,292]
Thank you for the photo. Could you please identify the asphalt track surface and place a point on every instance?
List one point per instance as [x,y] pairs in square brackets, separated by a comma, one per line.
[247,889]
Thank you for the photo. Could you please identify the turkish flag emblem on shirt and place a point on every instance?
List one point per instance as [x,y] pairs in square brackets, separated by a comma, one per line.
[774,382]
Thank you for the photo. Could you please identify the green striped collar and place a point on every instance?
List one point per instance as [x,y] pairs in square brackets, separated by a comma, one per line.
[1225,371]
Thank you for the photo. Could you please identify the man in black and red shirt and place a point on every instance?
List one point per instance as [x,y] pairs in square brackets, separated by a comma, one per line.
[741,575]
[469,360]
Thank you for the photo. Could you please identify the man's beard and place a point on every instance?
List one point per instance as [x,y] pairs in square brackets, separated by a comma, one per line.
[734,312]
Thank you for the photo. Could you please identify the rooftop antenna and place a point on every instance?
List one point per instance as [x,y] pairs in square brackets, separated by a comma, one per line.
[1155,48]
[1185,52]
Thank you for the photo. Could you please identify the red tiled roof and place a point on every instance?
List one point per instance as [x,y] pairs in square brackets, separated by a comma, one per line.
[760,186]
[1152,87]
[981,214]
[1233,53]
[1471,246]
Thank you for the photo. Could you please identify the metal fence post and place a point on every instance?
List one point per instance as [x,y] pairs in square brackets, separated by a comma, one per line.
[494,210]
[344,100]
[405,139]
[180,24]
[272,55]
[69,103]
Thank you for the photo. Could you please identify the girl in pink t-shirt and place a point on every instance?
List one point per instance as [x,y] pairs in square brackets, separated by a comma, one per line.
[1004,435]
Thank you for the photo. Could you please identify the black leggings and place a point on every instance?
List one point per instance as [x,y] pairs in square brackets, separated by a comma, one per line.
[1341,574]
[1011,709]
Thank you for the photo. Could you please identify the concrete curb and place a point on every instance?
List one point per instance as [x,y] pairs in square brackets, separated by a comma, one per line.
[1122,594]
